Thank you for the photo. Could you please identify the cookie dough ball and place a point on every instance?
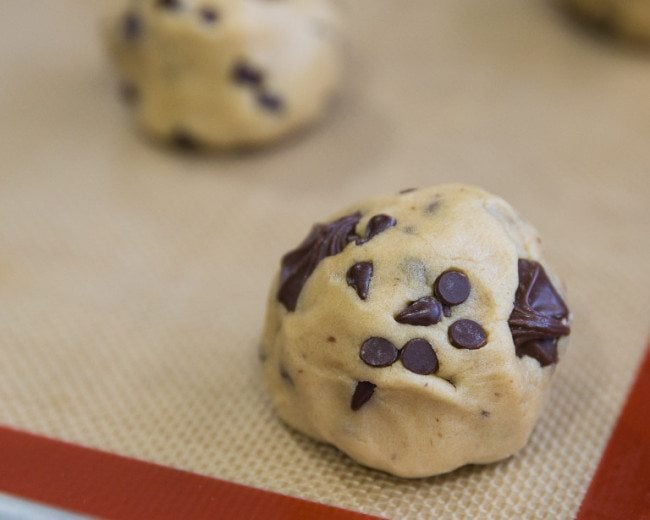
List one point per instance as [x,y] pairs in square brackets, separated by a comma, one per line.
[416,332]
[629,18]
[224,73]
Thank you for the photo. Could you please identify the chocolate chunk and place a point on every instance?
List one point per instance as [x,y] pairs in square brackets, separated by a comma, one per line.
[424,311]
[169,4]
[246,74]
[208,14]
[362,394]
[359,276]
[184,141]
[446,311]
[131,26]
[129,93]
[377,224]
[467,334]
[538,318]
[418,356]
[270,101]
[297,265]
[452,287]
[378,352]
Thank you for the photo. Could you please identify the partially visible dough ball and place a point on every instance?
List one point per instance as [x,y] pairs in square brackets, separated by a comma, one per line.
[225,73]
[629,18]
[416,332]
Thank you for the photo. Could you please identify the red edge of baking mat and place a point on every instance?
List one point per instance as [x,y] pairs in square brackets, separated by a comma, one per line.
[621,486]
[111,486]
[102,484]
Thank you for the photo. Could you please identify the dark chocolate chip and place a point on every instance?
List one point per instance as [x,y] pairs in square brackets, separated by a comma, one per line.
[418,356]
[376,225]
[246,74]
[446,311]
[378,352]
[362,394]
[539,316]
[131,26]
[452,287]
[208,14]
[129,93]
[424,311]
[407,190]
[270,102]
[184,141]
[297,265]
[359,276]
[169,4]
[467,334]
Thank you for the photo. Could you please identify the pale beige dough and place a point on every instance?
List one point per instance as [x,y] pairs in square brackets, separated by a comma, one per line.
[480,406]
[179,67]
[630,18]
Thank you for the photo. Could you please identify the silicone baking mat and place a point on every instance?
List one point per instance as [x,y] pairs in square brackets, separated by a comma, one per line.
[133,279]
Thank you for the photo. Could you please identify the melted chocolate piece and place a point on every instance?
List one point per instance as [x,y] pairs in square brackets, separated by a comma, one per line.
[246,74]
[208,15]
[359,276]
[270,101]
[467,334]
[376,225]
[131,26]
[418,356]
[452,287]
[362,394]
[378,352]
[324,240]
[424,311]
[538,318]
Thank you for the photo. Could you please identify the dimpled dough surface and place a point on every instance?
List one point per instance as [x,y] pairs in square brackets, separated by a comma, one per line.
[224,73]
[479,406]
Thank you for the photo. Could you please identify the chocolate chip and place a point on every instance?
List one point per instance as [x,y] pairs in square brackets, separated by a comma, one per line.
[424,311]
[378,352]
[270,101]
[331,339]
[376,225]
[538,318]
[246,74]
[169,4]
[359,276]
[446,311]
[297,265]
[208,14]
[418,356]
[131,26]
[129,93]
[362,394]
[452,287]
[184,141]
[467,334]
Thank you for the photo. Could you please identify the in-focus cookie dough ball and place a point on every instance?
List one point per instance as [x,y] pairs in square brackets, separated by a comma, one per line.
[224,73]
[629,18]
[416,332]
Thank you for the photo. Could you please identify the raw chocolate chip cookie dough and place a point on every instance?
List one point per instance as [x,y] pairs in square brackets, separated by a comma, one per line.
[224,73]
[416,332]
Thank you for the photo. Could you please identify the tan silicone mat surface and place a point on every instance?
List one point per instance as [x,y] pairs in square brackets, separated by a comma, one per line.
[133,279]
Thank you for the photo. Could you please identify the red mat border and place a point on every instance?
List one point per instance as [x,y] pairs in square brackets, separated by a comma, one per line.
[102,484]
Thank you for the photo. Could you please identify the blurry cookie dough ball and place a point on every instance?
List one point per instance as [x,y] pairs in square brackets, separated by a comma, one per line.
[224,73]
[628,18]
[416,332]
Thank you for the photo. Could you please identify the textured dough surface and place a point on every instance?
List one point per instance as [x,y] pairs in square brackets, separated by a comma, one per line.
[479,407]
[224,73]
[630,18]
